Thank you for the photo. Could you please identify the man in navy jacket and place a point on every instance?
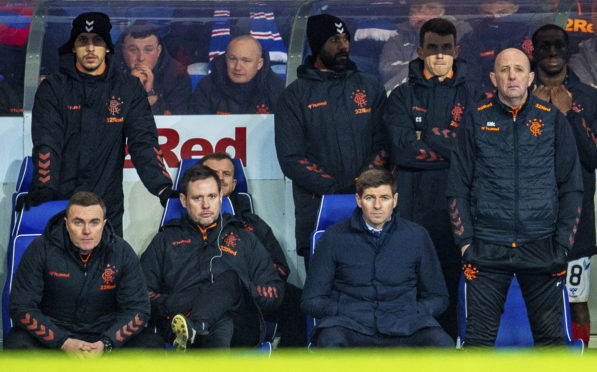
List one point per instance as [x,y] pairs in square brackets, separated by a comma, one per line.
[375,279]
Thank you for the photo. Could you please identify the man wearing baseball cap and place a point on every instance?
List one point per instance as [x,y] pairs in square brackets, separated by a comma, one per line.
[82,118]
[327,124]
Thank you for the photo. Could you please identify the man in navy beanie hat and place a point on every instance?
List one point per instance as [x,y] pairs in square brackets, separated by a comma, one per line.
[327,124]
[83,117]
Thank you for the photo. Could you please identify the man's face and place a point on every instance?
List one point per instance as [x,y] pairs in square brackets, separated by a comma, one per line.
[202,201]
[551,51]
[90,50]
[85,226]
[377,204]
[421,13]
[243,60]
[498,9]
[438,53]
[225,170]
[512,76]
[334,53]
[145,51]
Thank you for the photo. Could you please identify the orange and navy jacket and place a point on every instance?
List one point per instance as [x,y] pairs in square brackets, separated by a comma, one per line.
[55,295]
[80,126]
[515,176]
[583,121]
[183,257]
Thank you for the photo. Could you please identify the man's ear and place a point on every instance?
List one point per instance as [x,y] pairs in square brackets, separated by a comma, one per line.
[183,200]
[492,78]
[420,53]
[260,63]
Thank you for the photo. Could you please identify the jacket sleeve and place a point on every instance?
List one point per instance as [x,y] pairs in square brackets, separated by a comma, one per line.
[584,127]
[460,182]
[266,286]
[407,150]
[290,147]
[47,132]
[265,235]
[133,302]
[173,95]
[570,184]
[379,156]
[317,298]
[26,296]
[142,140]
[432,291]
[151,264]
[200,101]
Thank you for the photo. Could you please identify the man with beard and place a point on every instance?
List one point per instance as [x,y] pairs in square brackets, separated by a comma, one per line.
[558,84]
[82,119]
[328,124]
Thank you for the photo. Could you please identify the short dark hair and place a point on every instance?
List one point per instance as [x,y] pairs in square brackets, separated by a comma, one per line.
[220,155]
[440,26]
[548,27]
[140,30]
[198,172]
[374,178]
[85,199]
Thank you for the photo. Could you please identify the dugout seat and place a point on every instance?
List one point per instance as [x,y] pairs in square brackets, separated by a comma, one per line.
[22,187]
[515,329]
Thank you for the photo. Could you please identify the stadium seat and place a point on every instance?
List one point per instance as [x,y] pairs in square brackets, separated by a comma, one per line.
[34,220]
[16,248]
[515,329]
[334,208]
[22,187]
[174,209]
[239,173]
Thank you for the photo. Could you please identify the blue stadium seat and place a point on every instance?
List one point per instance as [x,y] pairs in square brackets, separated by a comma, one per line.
[515,330]
[34,220]
[334,208]
[22,187]
[16,248]
[174,209]
[239,173]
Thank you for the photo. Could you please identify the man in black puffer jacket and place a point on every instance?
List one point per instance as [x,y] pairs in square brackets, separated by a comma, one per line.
[241,82]
[141,53]
[558,84]
[328,124]
[422,116]
[515,193]
[82,119]
[79,287]
[207,276]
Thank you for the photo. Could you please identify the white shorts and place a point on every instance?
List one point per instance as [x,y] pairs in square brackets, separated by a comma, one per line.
[577,279]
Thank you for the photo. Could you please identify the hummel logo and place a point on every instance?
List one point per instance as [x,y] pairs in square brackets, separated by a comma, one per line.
[418,119]
[339,28]
[558,284]
[89,26]
[491,123]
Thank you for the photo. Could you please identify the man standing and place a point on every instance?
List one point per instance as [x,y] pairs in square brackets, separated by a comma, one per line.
[328,124]
[208,278]
[422,116]
[166,82]
[82,119]
[375,279]
[515,193]
[241,82]
[79,287]
[558,84]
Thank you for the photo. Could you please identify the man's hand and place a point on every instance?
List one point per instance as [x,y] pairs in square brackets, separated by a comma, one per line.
[464,248]
[144,74]
[83,349]
[561,98]
[542,92]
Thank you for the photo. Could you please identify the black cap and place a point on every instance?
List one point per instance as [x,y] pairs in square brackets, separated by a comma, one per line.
[321,27]
[92,22]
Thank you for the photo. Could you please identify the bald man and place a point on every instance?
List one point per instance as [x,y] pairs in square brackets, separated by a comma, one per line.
[241,82]
[515,193]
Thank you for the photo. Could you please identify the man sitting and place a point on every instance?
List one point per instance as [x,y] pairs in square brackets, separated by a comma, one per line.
[241,82]
[207,276]
[77,287]
[375,279]
[291,322]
